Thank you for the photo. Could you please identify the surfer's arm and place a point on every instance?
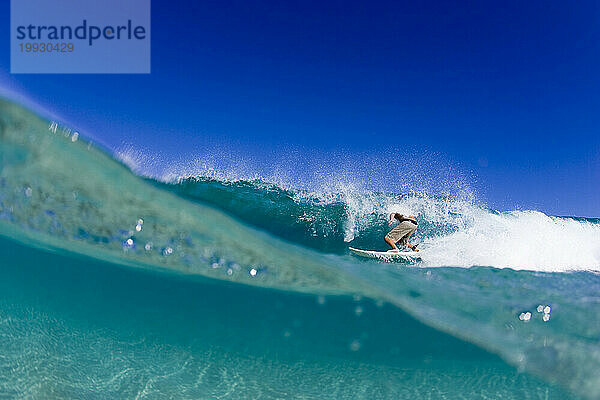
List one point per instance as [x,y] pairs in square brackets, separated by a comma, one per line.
[392,216]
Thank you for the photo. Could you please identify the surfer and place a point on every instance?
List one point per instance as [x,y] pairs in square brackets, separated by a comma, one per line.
[401,232]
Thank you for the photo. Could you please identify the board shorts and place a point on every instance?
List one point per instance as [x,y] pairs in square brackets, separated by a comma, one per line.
[401,233]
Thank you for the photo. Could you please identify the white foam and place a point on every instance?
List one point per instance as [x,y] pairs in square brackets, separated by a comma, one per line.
[458,232]
[524,240]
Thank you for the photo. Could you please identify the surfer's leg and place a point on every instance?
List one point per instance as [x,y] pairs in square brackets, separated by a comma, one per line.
[412,247]
[392,237]
[404,239]
[391,242]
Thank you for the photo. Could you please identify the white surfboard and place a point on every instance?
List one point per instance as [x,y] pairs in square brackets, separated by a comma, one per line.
[387,256]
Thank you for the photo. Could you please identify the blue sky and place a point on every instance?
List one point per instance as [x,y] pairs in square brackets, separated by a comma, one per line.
[508,93]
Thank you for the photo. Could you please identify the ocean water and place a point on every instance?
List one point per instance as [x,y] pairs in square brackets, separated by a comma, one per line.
[119,286]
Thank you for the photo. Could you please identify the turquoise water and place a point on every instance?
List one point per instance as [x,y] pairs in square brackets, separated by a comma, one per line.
[117,286]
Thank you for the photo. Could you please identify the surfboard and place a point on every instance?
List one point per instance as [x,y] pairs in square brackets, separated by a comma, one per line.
[387,256]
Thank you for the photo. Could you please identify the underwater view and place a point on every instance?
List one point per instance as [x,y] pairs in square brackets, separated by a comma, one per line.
[117,285]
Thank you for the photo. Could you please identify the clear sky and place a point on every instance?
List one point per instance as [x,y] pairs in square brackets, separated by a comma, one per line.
[508,91]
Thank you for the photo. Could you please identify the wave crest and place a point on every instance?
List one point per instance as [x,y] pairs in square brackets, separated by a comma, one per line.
[453,231]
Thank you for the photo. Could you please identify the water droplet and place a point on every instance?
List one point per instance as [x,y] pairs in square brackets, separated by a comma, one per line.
[525,316]
[229,271]
[148,246]
[167,251]
[547,310]
[53,126]
[546,317]
[358,311]
[138,227]
[355,345]
[140,221]
[28,192]
[540,308]
[128,244]
[75,136]
[253,272]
